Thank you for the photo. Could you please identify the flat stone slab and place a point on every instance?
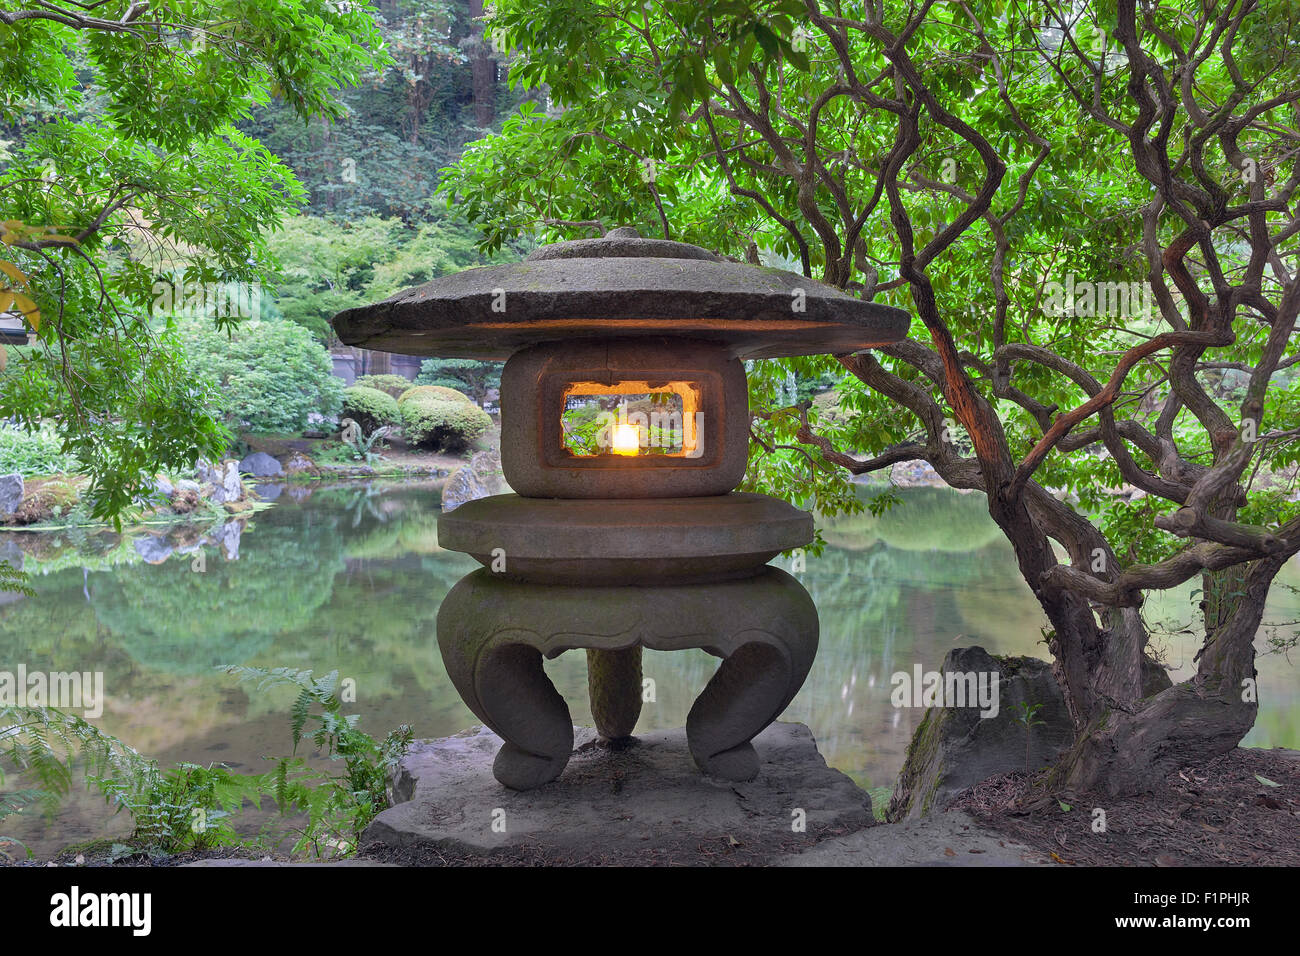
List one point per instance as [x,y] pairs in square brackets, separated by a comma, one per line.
[627,541]
[943,839]
[646,803]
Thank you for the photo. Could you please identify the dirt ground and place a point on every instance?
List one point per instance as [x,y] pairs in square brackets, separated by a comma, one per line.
[1215,815]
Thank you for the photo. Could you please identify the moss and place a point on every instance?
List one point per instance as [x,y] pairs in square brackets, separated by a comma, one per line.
[43,496]
[921,764]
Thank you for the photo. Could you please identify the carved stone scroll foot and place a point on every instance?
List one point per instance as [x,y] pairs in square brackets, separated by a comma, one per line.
[750,689]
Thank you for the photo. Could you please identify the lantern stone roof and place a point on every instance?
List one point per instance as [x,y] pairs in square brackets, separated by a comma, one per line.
[621,286]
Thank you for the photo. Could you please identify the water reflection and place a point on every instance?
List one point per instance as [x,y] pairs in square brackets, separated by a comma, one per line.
[351,578]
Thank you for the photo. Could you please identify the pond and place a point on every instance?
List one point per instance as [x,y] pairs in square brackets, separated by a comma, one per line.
[350,578]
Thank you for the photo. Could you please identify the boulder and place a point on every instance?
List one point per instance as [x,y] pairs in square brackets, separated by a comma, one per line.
[222,483]
[186,484]
[152,550]
[639,803]
[227,537]
[298,463]
[11,552]
[955,747]
[163,486]
[206,473]
[261,465]
[11,493]
[480,477]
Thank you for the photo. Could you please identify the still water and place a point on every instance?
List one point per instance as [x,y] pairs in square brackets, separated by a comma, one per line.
[350,579]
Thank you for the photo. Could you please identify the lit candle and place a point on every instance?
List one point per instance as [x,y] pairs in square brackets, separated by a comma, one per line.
[625,440]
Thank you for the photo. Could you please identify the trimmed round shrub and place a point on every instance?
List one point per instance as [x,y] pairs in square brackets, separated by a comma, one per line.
[393,385]
[434,393]
[442,425]
[370,407]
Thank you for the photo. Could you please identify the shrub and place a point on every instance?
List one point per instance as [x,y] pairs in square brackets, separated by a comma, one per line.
[443,425]
[37,452]
[370,407]
[470,376]
[393,385]
[434,393]
[269,376]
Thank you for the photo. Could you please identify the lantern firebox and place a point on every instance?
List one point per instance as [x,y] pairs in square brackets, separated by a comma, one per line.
[624,430]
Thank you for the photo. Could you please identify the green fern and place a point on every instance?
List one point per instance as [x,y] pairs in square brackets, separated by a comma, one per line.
[338,808]
[12,579]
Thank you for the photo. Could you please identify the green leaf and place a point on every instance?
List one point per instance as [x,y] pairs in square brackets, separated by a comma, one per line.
[723,66]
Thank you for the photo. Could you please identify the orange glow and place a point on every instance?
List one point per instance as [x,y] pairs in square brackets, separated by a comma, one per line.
[687,392]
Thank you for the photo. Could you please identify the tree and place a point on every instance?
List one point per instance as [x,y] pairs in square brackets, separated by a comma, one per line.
[131,184]
[471,375]
[404,121]
[1089,209]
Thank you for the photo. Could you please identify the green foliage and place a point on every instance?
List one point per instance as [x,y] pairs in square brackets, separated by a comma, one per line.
[404,122]
[470,375]
[14,581]
[1026,714]
[188,807]
[370,408]
[194,808]
[124,127]
[328,266]
[697,123]
[44,744]
[438,393]
[339,807]
[266,376]
[362,446]
[393,385]
[442,425]
[36,452]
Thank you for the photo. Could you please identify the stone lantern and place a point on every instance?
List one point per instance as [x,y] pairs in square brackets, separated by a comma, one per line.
[624,430]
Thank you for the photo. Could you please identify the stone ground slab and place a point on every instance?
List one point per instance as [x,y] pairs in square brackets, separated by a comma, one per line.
[646,803]
[944,839]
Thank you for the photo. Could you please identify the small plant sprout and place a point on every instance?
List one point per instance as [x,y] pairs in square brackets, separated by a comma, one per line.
[1027,714]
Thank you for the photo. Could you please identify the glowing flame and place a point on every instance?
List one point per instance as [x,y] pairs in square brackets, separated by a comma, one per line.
[625,439]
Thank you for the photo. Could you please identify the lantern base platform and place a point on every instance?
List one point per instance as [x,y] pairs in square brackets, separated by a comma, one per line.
[493,633]
[638,541]
[642,804]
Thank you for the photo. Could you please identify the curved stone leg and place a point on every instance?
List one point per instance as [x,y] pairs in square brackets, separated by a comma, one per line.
[614,686]
[499,675]
[750,689]
[522,705]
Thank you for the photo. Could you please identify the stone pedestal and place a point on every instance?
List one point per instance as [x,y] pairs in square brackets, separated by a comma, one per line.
[493,632]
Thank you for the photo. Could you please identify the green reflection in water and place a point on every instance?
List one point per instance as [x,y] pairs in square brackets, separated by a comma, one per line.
[351,579]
